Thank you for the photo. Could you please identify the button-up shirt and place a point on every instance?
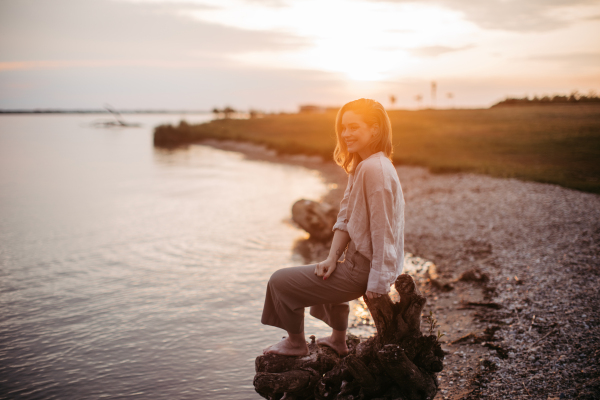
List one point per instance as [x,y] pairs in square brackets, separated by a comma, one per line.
[372,212]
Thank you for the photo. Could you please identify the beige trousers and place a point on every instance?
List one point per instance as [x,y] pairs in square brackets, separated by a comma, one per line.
[291,289]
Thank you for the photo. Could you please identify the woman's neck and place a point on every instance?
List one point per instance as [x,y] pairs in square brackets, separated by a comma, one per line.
[365,154]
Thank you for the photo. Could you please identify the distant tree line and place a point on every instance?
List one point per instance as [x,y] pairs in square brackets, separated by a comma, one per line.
[228,112]
[574,98]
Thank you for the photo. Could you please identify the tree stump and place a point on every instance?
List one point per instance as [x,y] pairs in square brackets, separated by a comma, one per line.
[398,362]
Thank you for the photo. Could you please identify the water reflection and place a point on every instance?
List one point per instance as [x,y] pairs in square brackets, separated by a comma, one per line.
[131,271]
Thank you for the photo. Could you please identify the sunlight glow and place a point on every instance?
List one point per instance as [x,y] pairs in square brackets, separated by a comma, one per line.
[364,41]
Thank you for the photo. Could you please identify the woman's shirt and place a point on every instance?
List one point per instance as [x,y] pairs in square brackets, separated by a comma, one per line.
[372,212]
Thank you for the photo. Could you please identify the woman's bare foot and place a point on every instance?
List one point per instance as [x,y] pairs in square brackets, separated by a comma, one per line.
[339,346]
[268,347]
[288,348]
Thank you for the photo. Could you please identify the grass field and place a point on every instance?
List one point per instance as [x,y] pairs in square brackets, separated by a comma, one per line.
[554,144]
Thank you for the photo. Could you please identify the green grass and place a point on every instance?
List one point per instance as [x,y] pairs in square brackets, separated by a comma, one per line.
[553,144]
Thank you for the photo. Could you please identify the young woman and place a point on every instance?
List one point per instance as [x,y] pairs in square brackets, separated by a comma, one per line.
[369,229]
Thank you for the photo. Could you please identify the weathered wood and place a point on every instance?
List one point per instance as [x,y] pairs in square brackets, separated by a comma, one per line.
[299,382]
[321,359]
[397,363]
[436,279]
[412,381]
[360,371]
[382,311]
[315,218]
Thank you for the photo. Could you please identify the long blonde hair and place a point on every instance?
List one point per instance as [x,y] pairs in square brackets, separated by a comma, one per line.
[372,113]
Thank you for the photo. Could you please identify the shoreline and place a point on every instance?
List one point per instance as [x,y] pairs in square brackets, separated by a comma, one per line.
[558,145]
[532,329]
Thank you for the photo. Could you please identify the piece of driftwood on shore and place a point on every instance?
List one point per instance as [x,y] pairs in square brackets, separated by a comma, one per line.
[315,218]
[399,362]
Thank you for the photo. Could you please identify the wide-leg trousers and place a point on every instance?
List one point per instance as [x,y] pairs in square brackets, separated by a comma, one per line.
[290,290]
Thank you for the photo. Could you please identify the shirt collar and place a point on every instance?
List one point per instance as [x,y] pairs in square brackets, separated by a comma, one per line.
[374,154]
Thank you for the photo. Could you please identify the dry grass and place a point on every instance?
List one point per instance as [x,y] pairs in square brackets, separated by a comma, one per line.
[554,144]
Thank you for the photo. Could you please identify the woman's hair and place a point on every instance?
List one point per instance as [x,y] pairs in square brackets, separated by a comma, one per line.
[372,113]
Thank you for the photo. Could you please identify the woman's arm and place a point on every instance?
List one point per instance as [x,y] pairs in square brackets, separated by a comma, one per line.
[340,236]
[342,219]
[338,244]
[383,238]
[383,210]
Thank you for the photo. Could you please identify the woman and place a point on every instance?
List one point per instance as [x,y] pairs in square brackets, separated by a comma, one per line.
[369,227]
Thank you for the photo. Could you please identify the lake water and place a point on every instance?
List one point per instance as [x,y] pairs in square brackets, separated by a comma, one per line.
[134,272]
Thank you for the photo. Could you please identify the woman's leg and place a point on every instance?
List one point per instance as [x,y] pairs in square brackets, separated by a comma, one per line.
[291,289]
[336,315]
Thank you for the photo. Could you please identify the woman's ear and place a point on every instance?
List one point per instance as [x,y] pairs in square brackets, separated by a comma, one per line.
[374,129]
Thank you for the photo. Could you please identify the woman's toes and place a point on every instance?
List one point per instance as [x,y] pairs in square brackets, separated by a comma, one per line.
[267,349]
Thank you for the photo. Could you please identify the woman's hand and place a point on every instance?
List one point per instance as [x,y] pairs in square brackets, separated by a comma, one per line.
[372,295]
[325,268]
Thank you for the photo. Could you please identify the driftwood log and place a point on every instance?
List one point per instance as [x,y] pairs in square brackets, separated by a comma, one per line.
[315,218]
[399,362]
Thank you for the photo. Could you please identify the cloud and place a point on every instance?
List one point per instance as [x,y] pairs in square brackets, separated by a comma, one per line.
[268,3]
[62,64]
[186,88]
[581,59]
[434,51]
[108,30]
[511,15]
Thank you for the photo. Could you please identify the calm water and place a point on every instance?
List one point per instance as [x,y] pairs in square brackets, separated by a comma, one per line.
[132,272]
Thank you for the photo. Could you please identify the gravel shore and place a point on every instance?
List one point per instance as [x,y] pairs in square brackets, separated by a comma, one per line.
[522,260]
[540,246]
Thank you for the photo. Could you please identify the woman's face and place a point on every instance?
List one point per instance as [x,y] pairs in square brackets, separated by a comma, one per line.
[357,134]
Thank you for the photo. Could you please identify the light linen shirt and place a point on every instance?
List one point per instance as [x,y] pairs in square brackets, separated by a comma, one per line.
[372,212]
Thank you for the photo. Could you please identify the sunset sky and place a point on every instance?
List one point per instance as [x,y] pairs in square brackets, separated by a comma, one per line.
[275,54]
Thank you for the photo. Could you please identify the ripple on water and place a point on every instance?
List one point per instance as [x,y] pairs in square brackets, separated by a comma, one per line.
[146,281]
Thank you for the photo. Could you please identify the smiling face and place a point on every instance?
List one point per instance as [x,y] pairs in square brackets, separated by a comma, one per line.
[357,134]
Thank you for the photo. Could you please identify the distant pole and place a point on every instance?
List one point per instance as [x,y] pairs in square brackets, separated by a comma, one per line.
[418,99]
[392,100]
[450,96]
[433,93]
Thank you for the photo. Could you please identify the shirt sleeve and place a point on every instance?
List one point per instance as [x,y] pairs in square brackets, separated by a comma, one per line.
[383,262]
[342,218]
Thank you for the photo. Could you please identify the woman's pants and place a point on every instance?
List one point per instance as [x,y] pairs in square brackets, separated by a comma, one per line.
[291,289]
